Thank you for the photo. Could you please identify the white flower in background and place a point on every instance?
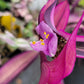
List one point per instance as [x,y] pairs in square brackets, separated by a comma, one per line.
[20,43]
[8,38]
[37,4]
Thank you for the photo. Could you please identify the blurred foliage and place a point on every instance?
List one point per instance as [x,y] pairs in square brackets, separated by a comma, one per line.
[28,30]
[15,1]
[4,5]
[81,3]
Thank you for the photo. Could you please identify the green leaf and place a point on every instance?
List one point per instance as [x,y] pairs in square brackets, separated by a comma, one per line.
[3,5]
[30,26]
[28,30]
[81,3]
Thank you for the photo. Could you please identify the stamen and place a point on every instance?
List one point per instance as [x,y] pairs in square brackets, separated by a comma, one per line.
[44,33]
[41,40]
[33,42]
[47,36]
[42,43]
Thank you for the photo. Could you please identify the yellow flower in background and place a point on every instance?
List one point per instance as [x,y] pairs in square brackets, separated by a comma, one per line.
[8,22]
[13,19]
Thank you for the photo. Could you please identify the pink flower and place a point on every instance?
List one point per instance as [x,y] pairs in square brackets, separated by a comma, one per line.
[48,43]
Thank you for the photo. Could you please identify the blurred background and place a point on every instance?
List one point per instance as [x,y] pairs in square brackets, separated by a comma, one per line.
[18,19]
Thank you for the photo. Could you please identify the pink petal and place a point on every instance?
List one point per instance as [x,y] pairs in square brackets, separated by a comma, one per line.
[43,27]
[38,47]
[61,15]
[13,67]
[53,72]
[53,45]
[52,37]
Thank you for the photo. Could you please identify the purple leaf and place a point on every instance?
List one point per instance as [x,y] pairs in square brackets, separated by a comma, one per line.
[61,15]
[43,10]
[54,71]
[67,35]
[13,67]
[49,15]
[80,49]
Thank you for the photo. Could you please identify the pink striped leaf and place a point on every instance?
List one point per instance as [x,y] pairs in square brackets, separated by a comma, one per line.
[13,67]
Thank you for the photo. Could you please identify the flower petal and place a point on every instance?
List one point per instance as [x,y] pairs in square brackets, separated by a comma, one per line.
[53,45]
[38,47]
[13,67]
[43,27]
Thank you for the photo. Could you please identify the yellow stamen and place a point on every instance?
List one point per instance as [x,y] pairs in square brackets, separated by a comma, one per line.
[33,42]
[42,43]
[47,36]
[44,33]
[41,40]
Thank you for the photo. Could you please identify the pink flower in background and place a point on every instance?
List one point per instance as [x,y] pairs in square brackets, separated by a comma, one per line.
[20,9]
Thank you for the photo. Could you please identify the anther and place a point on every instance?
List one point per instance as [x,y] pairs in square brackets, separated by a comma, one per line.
[47,36]
[33,42]
[42,43]
[41,40]
[44,33]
